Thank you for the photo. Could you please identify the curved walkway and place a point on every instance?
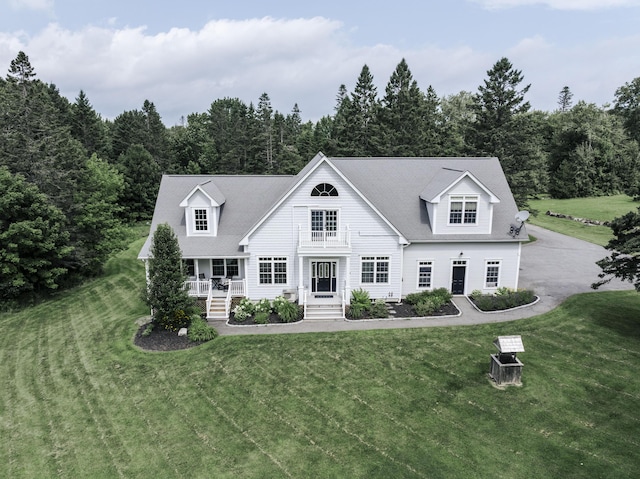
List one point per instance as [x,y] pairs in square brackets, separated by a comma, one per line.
[555,267]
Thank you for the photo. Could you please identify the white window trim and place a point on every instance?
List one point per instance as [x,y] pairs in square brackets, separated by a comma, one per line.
[420,263]
[376,259]
[192,219]
[320,208]
[464,199]
[272,261]
[492,263]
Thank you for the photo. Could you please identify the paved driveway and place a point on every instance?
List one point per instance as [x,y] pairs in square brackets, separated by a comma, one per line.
[558,266]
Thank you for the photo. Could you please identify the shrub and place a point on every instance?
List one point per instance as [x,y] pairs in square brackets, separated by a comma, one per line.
[356,311]
[379,309]
[199,330]
[415,298]
[287,311]
[443,295]
[278,302]
[174,321]
[362,298]
[261,317]
[244,309]
[503,299]
[476,293]
[426,307]
[148,329]
[263,306]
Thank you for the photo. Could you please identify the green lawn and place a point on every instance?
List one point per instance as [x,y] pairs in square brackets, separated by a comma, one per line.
[79,400]
[603,208]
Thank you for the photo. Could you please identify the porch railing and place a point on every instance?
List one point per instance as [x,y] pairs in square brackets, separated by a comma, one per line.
[236,288]
[197,288]
[324,239]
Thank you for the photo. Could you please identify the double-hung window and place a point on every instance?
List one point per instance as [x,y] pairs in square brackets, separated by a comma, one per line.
[492,274]
[272,270]
[463,210]
[425,269]
[374,269]
[200,220]
[225,267]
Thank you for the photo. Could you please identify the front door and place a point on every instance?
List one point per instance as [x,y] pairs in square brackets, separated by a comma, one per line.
[457,283]
[323,276]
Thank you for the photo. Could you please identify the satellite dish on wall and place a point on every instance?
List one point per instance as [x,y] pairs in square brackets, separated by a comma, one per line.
[522,216]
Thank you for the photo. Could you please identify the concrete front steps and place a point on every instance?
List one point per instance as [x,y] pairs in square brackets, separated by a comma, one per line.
[324,311]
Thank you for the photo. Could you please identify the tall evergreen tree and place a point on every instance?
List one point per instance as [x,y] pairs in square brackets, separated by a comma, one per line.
[565,99]
[141,181]
[363,117]
[264,115]
[495,133]
[402,114]
[87,127]
[169,301]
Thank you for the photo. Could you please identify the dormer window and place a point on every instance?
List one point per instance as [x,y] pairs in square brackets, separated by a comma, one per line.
[200,220]
[463,210]
[324,189]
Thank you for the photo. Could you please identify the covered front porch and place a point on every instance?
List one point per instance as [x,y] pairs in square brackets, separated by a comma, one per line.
[215,281]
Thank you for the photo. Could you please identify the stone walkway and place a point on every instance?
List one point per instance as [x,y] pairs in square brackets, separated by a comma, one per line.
[555,267]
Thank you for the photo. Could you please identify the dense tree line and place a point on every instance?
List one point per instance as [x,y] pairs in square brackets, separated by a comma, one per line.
[76,178]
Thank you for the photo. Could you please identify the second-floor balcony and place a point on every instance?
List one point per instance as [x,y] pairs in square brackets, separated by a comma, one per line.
[316,241]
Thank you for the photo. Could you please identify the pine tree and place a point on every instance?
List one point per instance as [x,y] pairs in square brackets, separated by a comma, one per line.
[402,114]
[171,304]
[495,133]
[565,99]
[87,126]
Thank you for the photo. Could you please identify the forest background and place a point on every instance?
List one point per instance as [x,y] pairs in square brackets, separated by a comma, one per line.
[71,180]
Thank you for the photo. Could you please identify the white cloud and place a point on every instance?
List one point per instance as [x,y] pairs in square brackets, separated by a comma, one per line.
[300,61]
[559,4]
[45,5]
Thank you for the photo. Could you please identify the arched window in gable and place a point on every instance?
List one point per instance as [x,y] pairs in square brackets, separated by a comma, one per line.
[324,189]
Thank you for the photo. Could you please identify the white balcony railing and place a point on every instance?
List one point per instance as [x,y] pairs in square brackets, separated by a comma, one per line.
[198,288]
[325,239]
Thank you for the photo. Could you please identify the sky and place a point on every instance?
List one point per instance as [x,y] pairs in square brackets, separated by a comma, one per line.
[183,55]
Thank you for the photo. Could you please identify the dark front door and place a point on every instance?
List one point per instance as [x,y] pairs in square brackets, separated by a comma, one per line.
[323,276]
[457,284]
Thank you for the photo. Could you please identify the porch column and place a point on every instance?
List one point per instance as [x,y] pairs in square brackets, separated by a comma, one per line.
[347,280]
[300,279]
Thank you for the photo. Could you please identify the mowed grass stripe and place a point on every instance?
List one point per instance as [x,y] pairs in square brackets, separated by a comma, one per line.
[12,339]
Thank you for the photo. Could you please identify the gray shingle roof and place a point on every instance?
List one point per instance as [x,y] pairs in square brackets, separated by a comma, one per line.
[393,185]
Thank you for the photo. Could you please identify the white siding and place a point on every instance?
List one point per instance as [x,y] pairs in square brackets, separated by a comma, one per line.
[200,201]
[370,236]
[466,187]
[476,254]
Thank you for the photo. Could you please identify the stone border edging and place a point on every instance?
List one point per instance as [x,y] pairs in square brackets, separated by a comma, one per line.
[502,310]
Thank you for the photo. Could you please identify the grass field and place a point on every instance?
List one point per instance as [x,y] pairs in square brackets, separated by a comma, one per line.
[79,400]
[597,208]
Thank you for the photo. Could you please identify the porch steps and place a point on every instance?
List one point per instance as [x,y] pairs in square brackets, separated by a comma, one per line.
[216,310]
[324,311]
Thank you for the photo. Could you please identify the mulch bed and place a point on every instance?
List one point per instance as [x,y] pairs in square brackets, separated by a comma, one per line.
[404,310]
[273,319]
[162,340]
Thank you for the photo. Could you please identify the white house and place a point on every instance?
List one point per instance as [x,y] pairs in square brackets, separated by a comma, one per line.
[391,226]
